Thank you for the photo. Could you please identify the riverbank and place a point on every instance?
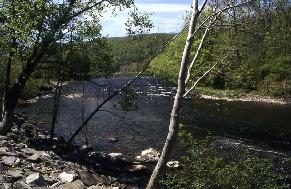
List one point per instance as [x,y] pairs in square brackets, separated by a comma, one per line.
[238,95]
[29,160]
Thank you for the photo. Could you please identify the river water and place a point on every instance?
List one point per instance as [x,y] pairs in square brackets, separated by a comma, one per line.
[114,130]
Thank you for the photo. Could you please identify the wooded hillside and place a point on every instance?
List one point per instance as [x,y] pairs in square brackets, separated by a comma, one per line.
[131,52]
[260,37]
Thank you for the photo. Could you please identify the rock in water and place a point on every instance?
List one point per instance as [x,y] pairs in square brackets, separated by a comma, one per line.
[149,155]
[66,177]
[35,179]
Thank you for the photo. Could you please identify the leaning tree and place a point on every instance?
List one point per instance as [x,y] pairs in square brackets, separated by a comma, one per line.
[196,23]
[28,29]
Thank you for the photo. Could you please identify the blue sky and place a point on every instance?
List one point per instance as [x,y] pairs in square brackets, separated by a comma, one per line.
[167,16]
[165,1]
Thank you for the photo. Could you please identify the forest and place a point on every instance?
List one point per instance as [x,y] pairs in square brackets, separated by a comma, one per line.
[260,38]
[207,107]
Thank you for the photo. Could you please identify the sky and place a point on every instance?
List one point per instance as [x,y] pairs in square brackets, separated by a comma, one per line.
[167,16]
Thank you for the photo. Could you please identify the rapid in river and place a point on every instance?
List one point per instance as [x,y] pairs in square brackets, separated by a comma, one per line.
[114,130]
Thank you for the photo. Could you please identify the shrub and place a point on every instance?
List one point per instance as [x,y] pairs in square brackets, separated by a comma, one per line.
[204,166]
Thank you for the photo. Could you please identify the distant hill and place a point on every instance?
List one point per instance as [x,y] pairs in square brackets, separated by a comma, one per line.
[131,52]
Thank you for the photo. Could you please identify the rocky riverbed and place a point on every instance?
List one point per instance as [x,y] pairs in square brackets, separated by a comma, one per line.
[29,160]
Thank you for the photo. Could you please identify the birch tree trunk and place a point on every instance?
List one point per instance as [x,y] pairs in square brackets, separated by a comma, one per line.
[174,120]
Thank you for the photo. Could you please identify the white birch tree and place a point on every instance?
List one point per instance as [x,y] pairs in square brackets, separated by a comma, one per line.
[184,77]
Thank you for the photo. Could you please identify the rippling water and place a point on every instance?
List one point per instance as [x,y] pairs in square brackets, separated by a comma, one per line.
[147,126]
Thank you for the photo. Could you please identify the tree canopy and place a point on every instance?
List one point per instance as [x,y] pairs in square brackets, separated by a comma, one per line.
[260,36]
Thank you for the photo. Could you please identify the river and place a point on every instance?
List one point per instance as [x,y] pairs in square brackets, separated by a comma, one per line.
[114,130]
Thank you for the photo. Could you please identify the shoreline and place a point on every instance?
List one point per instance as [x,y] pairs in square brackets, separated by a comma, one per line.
[28,159]
[249,98]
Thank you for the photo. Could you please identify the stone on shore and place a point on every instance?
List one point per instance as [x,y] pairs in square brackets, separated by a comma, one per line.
[173,164]
[14,175]
[102,187]
[78,184]
[66,177]
[36,180]
[34,158]
[149,155]
[4,151]
[115,155]
[91,179]
[21,185]
[9,160]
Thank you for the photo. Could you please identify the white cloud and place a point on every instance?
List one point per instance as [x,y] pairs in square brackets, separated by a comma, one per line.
[163,7]
[167,18]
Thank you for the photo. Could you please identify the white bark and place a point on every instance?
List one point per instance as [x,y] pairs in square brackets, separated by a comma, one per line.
[205,73]
[197,53]
[174,120]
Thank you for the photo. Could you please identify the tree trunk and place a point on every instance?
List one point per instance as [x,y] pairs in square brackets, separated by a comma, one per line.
[57,96]
[7,110]
[6,83]
[7,121]
[13,93]
[174,120]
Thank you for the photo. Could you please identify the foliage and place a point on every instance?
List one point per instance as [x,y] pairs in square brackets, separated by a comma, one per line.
[53,35]
[132,52]
[31,89]
[128,100]
[204,166]
[138,23]
[261,39]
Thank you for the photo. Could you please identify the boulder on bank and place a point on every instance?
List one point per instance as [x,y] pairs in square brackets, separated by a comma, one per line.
[67,177]
[29,162]
[173,164]
[36,180]
[149,155]
[91,179]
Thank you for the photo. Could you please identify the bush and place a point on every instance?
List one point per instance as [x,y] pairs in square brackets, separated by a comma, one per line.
[205,167]
[31,89]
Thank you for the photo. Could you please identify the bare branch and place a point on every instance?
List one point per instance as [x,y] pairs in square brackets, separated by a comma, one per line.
[209,70]
[197,52]
[86,9]
[123,118]
[213,19]
[203,5]
[221,11]
[123,88]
